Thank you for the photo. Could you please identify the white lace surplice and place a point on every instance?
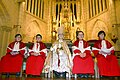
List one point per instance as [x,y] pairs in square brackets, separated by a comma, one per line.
[36,47]
[81,47]
[104,48]
[16,46]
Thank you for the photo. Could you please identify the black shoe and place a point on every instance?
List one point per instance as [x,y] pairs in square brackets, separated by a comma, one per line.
[17,74]
[80,75]
[101,76]
[59,74]
[86,75]
[7,75]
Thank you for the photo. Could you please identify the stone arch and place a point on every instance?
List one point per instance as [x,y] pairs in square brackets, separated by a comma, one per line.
[31,30]
[98,26]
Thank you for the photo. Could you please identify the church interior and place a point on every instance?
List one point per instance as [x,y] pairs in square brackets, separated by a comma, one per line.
[30,17]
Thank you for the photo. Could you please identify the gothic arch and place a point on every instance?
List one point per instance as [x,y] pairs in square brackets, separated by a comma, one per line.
[31,30]
[97,26]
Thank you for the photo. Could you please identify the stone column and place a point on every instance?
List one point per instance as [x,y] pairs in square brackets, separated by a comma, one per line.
[78,11]
[100,6]
[103,1]
[96,6]
[5,39]
[73,11]
[36,7]
[112,12]
[32,6]
[39,8]
[1,41]
[29,5]
[91,12]
[2,44]
[22,15]
[54,10]
[94,13]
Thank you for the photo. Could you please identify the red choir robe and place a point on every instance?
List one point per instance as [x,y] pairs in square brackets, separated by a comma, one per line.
[82,65]
[35,64]
[12,63]
[108,66]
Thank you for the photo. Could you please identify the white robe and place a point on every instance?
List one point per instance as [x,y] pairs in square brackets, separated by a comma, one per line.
[63,67]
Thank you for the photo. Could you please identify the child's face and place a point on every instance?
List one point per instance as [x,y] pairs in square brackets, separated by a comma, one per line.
[101,36]
[80,35]
[38,38]
[18,38]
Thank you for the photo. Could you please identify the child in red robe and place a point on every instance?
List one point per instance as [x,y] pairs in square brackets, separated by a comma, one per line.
[12,61]
[82,60]
[106,60]
[35,61]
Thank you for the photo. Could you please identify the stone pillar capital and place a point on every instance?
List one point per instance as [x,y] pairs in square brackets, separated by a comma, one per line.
[6,28]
